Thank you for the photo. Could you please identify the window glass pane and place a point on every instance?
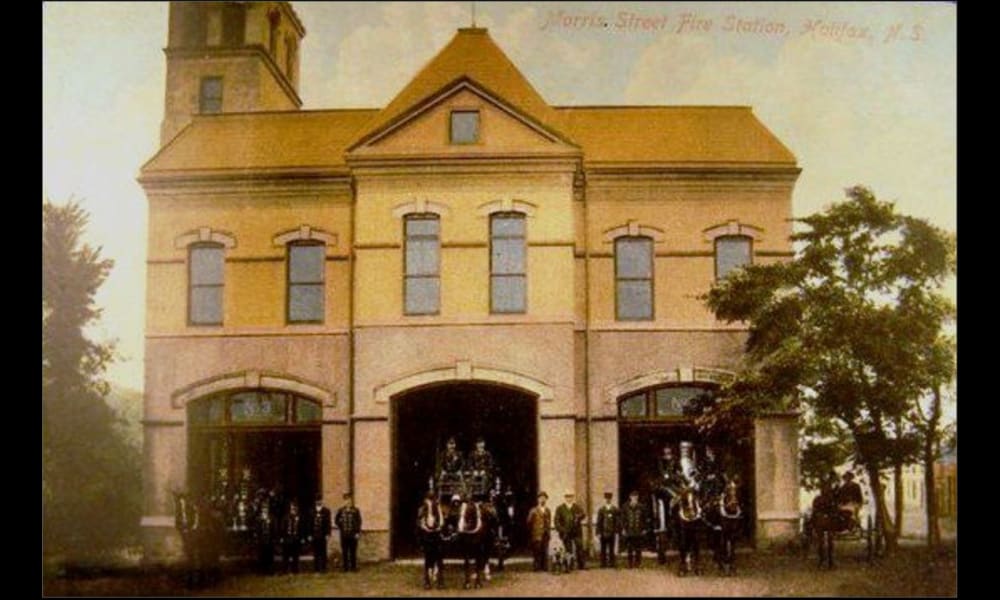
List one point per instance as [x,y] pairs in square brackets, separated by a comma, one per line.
[633,257]
[422,227]
[635,300]
[206,265]
[256,407]
[206,305]
[672,401]
[211,95]
[305,302]
[306,263]
[508,256]
[464,127]
[422,257]
[508,226]
[634,406]
[216,409]
[508,293]
[731,252]
[422,295]
[307,411]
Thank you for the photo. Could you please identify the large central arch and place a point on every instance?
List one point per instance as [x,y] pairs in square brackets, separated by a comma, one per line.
[425,417]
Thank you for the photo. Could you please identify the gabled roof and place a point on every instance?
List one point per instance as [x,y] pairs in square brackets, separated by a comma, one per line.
[662,134]
[262,140]
[470,55]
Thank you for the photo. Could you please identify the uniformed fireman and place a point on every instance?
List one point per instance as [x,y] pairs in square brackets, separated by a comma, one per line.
[451,466]
[634,528]
[319,532]
[263,534]
[710,470]
[481,462]
[608,526]
[348,521]
[292,537]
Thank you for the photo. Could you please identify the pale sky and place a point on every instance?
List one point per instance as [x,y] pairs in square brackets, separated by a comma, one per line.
[860,92]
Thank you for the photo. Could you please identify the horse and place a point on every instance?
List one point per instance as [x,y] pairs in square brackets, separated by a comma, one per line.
[725,515]
[472,540]
[827,520]
[688,522]
[662,499]
[430,523]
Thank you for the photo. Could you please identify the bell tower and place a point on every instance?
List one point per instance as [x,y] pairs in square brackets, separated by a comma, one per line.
[230,57]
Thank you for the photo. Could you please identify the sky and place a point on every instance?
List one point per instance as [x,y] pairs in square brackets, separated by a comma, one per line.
[860,92]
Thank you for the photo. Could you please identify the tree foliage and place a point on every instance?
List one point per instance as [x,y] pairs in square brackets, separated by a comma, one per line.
[849,333]
[91,478]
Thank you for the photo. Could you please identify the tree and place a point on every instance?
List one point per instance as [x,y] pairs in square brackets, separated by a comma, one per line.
[847,332]
[90,476]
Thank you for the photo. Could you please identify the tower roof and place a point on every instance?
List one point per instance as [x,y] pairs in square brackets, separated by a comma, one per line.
[471,54]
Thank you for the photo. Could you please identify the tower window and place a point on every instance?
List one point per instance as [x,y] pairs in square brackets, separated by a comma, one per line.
[210,99]
[464,126]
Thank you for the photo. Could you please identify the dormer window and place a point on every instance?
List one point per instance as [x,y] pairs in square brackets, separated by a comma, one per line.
[464,126]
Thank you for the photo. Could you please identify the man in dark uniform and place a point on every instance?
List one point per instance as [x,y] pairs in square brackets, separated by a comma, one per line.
[451,465]
[849,497]
[670,483]
[481,464]
[569,525]
[539,528]
[633,528]
[319,531]
[348,521]
[292,534]
[710,470]
[263,533]
[608,526]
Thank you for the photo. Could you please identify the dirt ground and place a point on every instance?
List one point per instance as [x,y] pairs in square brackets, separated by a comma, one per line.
[907,573]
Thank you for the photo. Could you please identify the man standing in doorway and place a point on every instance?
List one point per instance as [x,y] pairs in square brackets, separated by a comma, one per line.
[569,524]
[608,525]
[348,521]
[539,528]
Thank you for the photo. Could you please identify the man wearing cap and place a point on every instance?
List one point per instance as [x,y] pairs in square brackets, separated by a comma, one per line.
[569,524]
[849,496]
[481,463]
[633,528]
[348,521]
[608,526]
[539,527]
[320,530]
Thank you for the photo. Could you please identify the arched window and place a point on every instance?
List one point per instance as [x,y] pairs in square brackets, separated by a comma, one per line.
[663,402]
[508,271]
[271,437]
[306,282]
[422,268]
[634,278]
[732,252]
[206,266]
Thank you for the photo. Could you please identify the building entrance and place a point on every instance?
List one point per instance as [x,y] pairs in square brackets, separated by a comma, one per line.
[424,419]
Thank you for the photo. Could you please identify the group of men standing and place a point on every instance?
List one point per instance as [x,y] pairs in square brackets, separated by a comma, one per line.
[632,522]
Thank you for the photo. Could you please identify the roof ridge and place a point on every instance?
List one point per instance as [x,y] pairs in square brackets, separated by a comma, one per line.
[256,113]
[641,106]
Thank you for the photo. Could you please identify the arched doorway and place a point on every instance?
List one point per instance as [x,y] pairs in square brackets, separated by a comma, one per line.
[656,416]
[271,435]
[424,419]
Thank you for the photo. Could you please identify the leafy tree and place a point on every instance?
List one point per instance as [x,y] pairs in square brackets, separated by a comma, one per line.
[847,332]
[91,479]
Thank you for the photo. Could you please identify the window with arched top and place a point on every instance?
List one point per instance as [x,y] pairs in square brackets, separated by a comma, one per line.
[206,276]
[634,278]
[306,282]
[732,252]
[422,264]
[508,263]
[663,402]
